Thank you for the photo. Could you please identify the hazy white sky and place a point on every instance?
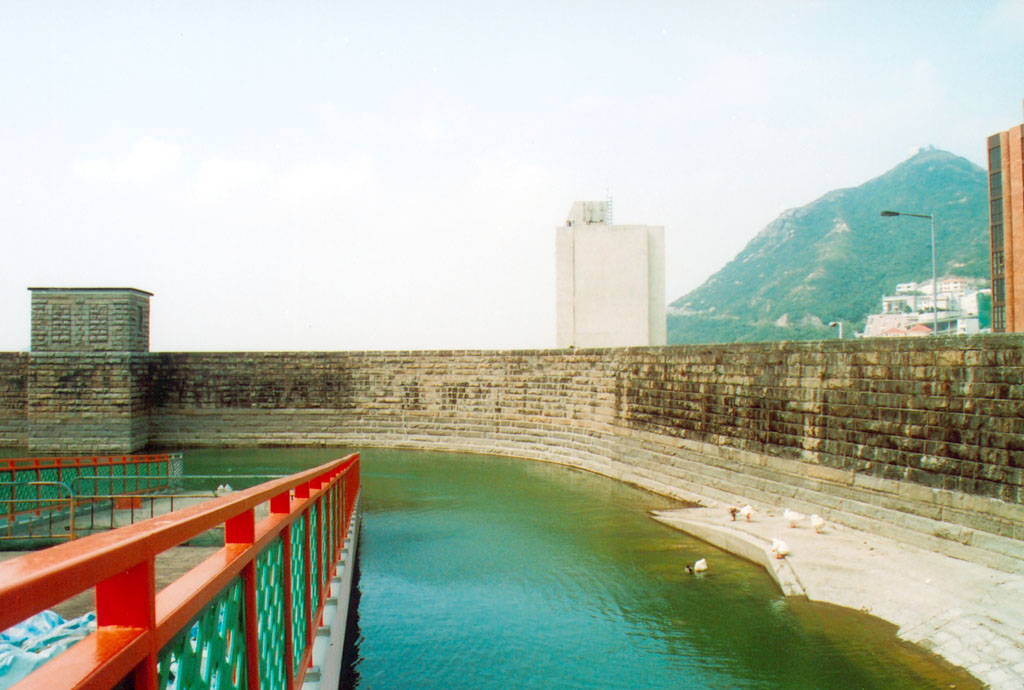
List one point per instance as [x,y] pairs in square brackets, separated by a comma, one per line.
[387,175]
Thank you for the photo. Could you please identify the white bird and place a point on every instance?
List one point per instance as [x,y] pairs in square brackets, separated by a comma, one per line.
[780,549]
[223,490]
[793,517]
[700,566]
[818,523]
[746,511]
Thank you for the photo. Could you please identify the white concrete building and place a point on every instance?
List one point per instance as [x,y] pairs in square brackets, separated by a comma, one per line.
[911,309]
[610,280]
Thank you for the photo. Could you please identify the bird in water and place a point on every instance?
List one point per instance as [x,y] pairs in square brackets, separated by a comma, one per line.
[698,567]
[818,523]
[747,511]
[780,549]
[793,517]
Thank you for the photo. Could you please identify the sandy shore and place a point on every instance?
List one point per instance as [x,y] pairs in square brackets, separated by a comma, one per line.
[970,615]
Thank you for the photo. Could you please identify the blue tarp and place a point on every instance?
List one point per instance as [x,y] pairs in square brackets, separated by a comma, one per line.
[31,643]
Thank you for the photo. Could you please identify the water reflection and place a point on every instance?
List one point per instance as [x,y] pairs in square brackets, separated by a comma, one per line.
[480,572]
[349,677]
[487,572]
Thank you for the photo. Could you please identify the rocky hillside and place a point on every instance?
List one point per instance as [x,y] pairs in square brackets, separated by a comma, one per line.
[834,258]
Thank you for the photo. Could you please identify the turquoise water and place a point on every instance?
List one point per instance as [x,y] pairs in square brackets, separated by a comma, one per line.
[485,572]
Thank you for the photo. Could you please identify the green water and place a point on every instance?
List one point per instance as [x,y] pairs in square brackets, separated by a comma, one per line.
[485,572]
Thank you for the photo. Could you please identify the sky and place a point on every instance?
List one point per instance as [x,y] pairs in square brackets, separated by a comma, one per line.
[389,175]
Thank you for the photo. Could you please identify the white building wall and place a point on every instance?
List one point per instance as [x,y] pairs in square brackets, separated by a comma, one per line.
[610,282]
[565,279]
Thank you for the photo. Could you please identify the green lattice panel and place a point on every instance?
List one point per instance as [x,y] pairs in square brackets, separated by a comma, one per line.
[85,487]
[314,555]
[24,493]
[270,609]
[115,482]
[160,472]
[49,492]
[210,654]
[298,563]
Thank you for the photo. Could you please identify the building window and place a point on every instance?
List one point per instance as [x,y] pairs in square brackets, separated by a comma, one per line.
[996,211]
[995,184]
[997,263]
[995,159]
[998,319]
[997,236]
[999,290]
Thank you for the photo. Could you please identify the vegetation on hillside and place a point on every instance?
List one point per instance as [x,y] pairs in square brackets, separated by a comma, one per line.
[834,258]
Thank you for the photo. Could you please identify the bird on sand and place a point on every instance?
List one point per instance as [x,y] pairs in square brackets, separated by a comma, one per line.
[780,549]
[747,511]
[818,523]
[793,517]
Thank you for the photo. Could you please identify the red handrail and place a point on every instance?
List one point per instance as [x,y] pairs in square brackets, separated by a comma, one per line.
[10,468]
[133,620]
[44,463]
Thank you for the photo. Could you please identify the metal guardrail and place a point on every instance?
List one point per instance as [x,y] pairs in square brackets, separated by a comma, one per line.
[245,617]
[96,511]
[152,469]
[32,510]
[31,488]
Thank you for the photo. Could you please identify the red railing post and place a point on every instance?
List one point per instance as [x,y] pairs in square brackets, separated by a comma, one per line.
[281,505]
[241,529]
[128,600]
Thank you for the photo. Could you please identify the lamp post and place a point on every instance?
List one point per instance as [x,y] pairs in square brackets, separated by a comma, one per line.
[935,284]
[833,324]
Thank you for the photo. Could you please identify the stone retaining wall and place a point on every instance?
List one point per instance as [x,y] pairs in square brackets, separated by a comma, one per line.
[88,402]
[13,399]
[920,439]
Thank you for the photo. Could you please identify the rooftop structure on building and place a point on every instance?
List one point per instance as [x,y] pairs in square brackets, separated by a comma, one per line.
[90,319]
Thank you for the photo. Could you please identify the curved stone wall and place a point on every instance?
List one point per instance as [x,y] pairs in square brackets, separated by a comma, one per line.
[919,439]
[13,399]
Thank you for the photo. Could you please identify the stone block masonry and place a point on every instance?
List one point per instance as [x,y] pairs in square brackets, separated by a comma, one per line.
[13,399]
[90,319]
[917,439]
[88,402]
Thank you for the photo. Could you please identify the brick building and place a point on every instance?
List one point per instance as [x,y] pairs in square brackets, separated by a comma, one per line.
[1006,203]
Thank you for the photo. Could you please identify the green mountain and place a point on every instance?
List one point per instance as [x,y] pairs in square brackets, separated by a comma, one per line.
[834,258]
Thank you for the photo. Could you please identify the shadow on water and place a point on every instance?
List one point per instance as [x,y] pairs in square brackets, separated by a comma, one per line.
[349,678]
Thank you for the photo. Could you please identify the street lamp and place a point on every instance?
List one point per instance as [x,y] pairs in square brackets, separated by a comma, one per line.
[833,324]
[935,301]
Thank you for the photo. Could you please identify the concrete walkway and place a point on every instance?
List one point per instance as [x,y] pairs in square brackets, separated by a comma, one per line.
[970,615]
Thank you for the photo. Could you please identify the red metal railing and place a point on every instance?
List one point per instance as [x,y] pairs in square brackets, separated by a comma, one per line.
[140,631]
[29,482]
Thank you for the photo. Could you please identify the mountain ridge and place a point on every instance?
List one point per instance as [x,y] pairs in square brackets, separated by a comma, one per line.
[834,258]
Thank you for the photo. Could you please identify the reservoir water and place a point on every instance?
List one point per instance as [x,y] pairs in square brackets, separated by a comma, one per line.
[486,572]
